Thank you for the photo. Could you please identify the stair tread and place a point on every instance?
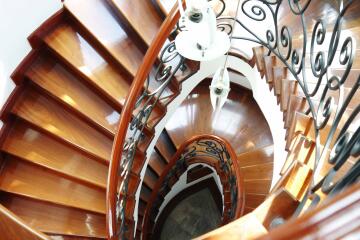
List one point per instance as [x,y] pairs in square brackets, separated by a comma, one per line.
[28,144]
[257,186]
[54,219]
[260,171]
[59,82]
[14,228]
[76,51]
[28,180]
[46,114]
[142,16]
[105,28]
[256,157]
[165,146]
[156,163]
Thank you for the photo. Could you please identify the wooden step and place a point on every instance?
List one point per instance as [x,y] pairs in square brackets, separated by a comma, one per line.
[257,186]
[145,193]
[259,156]
[105,29]
[334,94]
[252,200]
[301,150]
[14,228]
[246,227]
[288,87]
[260,171]
[259,53]
[301,124]
[295,103]
[45,114]
[140,15]
[150,178]
[280,204]
[51,76]
[295,180]
[36,147]
[269,63]
[279,74]
[65,237]
[165,146]
[157,163]
[35,182]
[54,219]
[83,59]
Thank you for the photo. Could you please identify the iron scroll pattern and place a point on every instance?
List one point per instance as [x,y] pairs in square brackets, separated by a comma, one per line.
[154,92]
[325,49]
[208,151]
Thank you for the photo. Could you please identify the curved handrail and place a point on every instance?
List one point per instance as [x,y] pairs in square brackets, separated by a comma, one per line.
[126,115]
[175,158]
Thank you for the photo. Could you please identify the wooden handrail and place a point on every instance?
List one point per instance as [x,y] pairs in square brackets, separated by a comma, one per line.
[334,219]
[126,115]
[182,148]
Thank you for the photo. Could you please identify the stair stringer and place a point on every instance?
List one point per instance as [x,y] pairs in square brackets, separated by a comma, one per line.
[270,109]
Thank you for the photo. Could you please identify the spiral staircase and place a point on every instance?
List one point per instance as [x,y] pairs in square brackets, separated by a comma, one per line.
[65,119]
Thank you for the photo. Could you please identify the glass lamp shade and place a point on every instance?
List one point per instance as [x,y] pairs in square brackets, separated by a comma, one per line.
[219,88]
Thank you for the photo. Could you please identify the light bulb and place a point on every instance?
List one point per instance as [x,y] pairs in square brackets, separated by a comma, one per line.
[219,88]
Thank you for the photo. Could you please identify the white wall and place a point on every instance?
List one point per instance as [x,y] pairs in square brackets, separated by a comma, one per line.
[18,19]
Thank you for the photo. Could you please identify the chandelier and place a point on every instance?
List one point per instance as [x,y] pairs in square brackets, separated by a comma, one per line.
[200,40]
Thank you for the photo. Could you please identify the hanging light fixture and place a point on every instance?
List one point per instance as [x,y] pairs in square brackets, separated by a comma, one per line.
[220,84]
[200,40]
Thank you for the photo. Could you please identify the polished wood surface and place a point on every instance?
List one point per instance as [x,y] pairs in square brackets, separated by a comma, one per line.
[257,223]
[107,31]
[27,180]
[269,62]
[240,121]
[135,91]
[336,219]
[156,163]
[257,168]
[44,113]
[55,219]
[14,228]
[53,77]
[29,144]
[247,227]
[165,146]
[141,15]
[67,43]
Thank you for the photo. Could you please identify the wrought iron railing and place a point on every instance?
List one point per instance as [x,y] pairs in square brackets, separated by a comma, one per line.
[147,91]
[142,99]
[208,149]
[339,50]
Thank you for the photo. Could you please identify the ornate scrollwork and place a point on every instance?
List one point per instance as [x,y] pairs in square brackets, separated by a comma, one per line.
[200,151]
[170,63]
[326,50]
